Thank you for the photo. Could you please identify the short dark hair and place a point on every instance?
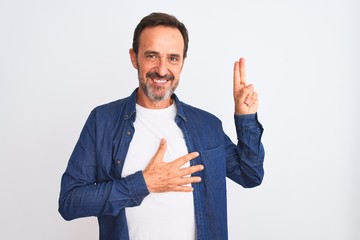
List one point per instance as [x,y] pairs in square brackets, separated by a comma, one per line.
[160,19]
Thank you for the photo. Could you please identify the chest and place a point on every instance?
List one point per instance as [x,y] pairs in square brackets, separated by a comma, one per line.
[150,127]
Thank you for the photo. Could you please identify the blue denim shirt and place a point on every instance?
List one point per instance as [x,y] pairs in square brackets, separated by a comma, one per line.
[92,184]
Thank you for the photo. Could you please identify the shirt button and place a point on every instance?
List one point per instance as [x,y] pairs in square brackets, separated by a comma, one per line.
[118,162]
[128,133]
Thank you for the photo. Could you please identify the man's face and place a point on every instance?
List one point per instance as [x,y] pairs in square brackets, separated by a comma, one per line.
[159,62]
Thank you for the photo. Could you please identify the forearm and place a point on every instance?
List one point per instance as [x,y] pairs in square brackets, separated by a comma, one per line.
[245,160]
[97,199]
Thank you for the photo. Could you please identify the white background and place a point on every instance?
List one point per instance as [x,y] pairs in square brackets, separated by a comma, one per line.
[60,59]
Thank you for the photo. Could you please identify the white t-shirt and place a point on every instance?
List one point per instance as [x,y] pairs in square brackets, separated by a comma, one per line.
[161,216]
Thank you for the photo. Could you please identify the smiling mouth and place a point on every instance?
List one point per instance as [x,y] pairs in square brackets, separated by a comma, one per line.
[157,78]
[160,80]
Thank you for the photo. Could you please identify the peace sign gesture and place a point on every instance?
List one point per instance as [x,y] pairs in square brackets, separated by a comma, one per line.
[245,98]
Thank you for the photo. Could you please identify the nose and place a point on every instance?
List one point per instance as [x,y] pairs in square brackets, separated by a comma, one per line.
[161,68]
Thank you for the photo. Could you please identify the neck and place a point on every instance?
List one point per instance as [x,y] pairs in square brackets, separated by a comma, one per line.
[146,102]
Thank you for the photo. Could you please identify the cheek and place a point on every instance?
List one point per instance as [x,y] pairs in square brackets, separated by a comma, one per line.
[145,68]
[176,73]
[142,70]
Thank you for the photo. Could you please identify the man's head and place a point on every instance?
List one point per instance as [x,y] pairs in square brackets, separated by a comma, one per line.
[160,19]
[158,53]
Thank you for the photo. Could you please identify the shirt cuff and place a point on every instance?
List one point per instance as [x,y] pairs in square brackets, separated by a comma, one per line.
[137,186]
[247,121]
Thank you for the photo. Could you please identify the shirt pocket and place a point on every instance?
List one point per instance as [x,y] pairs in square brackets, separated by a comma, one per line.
[214,161]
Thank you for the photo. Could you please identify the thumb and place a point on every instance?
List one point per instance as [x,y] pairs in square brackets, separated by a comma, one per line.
[159,155]
[246,93]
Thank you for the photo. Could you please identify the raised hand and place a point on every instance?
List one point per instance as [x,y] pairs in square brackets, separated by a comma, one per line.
[245,98]
[170,177]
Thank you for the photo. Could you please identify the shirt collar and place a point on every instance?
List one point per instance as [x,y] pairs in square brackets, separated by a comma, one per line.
[131,106]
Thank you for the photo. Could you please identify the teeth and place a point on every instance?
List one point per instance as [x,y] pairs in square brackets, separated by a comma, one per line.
[159,80]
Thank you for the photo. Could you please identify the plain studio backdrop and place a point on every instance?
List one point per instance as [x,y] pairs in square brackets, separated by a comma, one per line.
[60,59]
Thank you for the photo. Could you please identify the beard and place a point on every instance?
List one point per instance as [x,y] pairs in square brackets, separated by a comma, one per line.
[157,93]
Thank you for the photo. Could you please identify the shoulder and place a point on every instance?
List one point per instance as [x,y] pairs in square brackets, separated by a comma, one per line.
[195,113]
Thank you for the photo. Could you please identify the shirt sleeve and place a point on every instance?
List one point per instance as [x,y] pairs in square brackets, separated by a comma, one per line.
[82,194]
[245,160]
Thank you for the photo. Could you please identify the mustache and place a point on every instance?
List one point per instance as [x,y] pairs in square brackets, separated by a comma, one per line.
[158,76]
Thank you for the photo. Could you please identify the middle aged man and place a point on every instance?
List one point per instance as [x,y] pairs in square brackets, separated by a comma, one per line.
[140,190]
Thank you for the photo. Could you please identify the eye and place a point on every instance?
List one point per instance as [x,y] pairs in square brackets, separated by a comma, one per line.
[174,59]
[151,56]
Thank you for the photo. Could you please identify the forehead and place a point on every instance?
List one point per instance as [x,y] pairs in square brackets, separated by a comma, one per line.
[161,38]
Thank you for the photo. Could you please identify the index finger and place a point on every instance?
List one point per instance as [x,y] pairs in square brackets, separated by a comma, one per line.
[242,71]
[239,75]
[186,158]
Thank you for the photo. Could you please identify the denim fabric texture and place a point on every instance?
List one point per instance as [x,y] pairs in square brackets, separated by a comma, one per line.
[92,184]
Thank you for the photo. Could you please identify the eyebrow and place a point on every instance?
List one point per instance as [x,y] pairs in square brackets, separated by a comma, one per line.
[157,53]
[175,55]
[151,52]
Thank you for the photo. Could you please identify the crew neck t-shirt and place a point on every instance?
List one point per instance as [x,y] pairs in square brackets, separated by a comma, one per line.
[160,216]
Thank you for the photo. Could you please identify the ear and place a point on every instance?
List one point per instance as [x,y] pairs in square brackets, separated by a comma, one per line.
[133,58]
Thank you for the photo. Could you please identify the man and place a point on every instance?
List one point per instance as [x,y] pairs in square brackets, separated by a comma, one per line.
[152,167]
